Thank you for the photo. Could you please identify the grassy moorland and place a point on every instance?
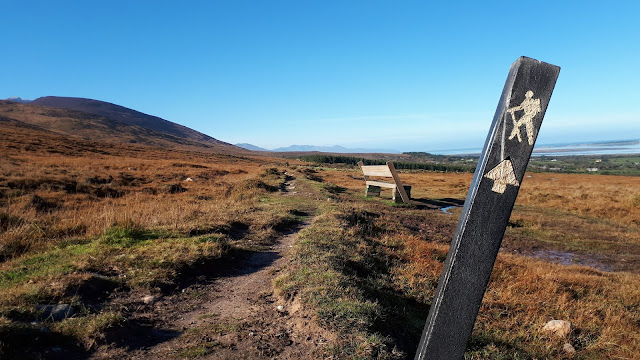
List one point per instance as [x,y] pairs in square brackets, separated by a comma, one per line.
[84,223]
[370,268]
[100,226]
[596,215]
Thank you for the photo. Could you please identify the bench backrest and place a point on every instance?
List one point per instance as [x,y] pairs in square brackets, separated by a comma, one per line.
[376,170]
[384,171]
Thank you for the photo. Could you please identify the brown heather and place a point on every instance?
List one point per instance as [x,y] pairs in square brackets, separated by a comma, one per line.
[96,225]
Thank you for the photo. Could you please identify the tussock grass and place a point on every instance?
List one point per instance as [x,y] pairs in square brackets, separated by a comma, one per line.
[74,229]
[343,270]
[88,329]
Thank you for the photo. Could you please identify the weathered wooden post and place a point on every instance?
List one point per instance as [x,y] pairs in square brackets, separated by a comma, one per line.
[486,211]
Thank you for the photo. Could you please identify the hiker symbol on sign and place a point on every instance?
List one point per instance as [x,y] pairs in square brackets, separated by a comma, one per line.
[531,108]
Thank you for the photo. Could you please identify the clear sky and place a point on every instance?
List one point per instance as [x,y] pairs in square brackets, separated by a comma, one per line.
[407,75]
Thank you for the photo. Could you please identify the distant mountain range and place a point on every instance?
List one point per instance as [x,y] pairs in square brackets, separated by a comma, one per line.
[18,99]
[102,121]
[328,149]
[251,147]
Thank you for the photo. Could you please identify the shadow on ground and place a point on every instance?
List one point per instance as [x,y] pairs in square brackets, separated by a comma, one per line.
[437,203]
[153,327]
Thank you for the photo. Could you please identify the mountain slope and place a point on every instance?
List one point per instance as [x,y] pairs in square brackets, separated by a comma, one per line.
[89,126]
[125,115]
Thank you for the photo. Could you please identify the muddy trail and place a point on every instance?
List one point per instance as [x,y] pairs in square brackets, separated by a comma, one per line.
[235,315]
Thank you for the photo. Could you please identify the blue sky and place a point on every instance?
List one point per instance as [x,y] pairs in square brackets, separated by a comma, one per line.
[407,75]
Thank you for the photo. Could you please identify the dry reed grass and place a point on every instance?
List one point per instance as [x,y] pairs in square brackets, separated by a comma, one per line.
[373,278]
[70,208]
[594,217]
[74,212]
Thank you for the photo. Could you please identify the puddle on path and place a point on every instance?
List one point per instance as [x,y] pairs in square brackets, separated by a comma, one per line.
[568,258]
[447,208]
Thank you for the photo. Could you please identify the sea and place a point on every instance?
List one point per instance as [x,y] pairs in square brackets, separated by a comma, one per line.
[624,147]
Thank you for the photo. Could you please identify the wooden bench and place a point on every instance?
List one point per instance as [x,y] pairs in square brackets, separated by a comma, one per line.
[400,191]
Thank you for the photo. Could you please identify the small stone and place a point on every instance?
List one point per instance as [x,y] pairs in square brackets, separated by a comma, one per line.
[188,179]
[149,299]
[56,312]
[568,349]
[280,308]
[560,328]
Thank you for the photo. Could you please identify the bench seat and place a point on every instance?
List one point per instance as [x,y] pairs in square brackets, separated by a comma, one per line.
[400,192]
[381,184]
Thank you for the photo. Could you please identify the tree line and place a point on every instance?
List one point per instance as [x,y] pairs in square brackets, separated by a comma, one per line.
[348,160]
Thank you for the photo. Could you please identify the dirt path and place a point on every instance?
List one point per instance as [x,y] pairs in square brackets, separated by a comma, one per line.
[237,316]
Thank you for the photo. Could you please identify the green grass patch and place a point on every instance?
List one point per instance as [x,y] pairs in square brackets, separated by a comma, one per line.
[343,271]
[127,235]
[197,351]
[50,263]
[86,327]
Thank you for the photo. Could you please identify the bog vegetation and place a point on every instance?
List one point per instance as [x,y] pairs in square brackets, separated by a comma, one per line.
[97,226]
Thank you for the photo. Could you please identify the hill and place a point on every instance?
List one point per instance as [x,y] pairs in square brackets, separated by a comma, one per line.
[18,99]
[124,115]
[251,147]
[101,121]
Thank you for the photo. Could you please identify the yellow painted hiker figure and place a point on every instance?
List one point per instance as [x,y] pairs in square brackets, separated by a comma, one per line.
[531,108]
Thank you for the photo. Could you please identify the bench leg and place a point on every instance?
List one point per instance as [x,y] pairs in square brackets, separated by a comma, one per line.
[372,190]
[396,194]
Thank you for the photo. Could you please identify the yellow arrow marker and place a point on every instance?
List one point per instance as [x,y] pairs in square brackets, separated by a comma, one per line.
[502,175]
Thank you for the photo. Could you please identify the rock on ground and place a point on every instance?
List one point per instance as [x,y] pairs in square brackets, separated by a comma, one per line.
[560,328]
[568,348]
[149,299]
[56,312]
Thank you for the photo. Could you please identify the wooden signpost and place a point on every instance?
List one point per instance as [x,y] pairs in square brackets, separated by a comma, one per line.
[486,211]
